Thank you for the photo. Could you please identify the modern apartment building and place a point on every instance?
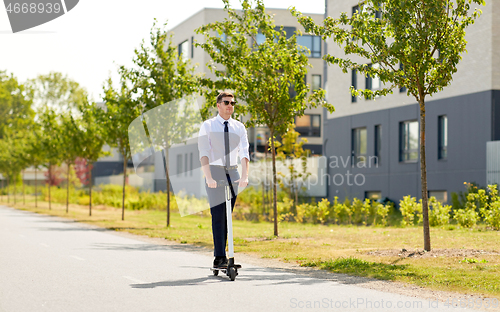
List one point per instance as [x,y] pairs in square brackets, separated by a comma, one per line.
[460,120]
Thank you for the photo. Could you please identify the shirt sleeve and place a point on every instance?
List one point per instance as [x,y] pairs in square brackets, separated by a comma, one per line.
[243,147]
[204,141]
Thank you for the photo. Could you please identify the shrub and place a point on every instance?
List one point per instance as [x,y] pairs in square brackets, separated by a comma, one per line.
[438,214]
[468,217]
[409,210]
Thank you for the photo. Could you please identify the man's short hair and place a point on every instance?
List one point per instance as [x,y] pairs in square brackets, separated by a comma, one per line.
[222,95]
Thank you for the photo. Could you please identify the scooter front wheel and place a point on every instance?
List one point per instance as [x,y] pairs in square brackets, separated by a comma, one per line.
[232,273]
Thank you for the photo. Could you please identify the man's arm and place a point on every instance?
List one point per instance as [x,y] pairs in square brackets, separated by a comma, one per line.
[206,170]
[204,149]
[243,181]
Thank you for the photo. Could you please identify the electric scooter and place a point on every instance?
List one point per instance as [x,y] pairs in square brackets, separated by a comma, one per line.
[232,269]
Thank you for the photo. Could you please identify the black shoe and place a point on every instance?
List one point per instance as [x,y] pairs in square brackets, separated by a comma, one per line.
[220,262]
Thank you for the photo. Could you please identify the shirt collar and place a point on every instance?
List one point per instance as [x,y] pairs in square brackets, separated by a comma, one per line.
[221,120]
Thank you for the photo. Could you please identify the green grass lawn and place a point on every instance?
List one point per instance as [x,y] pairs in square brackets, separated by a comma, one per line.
[340,249]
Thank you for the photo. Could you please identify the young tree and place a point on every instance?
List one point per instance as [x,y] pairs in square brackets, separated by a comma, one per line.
[51,143]
[92,138]
[161,76]
[417,44]
[72,146]
[291,148]
[268,76]
[122,109]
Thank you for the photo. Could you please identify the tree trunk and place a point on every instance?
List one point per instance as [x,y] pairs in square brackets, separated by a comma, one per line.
[50,177]
[265,179]
[90,189]
[24,194]
[36,181]
[67,189]
[8,193]
[275,204]
[165,163]
[15,191]
[423,173]
[2,188]
[124,178]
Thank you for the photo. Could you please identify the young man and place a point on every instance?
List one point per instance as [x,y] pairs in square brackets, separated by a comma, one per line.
[219,162]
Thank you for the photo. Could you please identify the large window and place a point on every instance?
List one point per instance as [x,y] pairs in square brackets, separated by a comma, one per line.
[313,43]
[183,50]
[185,165]
[316,82]
[358,145]
[378,143]
[308,125]
[442,137]
[408,141]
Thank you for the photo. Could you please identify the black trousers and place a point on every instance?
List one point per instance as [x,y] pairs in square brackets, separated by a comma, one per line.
[217,200]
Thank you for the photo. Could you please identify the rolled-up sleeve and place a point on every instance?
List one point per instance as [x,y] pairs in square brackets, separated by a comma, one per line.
[243,147]
[204,142]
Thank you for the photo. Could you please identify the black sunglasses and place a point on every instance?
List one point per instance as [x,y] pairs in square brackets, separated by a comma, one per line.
[227,103]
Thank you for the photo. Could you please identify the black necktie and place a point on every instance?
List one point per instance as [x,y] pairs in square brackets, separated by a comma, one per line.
[226,143]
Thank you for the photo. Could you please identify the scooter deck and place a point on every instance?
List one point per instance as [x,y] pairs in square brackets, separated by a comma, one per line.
[237,266]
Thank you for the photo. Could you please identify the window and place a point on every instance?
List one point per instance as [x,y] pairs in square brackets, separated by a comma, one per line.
[442,137]
[185,165]
[183,50]
[441,196]
[408,141]
[355,9]
[288,30]
[378,143]
[316,82]
[358,145]
[373,195]
[313,43]
[179,164]
[402,89]
[372,83]
[192,47]
[308,125]
[354,84]
[191,164]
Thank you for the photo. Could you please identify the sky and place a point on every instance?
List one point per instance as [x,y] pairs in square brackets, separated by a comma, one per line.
[89,42]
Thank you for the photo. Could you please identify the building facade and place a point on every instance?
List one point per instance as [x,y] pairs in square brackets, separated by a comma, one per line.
[460,120]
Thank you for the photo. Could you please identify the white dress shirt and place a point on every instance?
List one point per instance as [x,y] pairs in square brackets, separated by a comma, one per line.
[211,141]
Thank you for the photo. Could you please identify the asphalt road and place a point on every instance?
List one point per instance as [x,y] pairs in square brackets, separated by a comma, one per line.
[52,264]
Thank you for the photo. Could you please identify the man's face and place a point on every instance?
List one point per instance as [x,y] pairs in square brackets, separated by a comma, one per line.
[225,109]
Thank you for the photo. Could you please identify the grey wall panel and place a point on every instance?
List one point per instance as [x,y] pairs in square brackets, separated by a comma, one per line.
[470,126]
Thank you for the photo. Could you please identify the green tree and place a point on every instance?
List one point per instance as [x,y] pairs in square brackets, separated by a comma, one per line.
[417,44]
[63,96]
[92,137]
[35,153]
[122,109]
[51,142]
[57,91]
[72,146]
[288,151]
[268,76]
[160,77]
[16,111]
